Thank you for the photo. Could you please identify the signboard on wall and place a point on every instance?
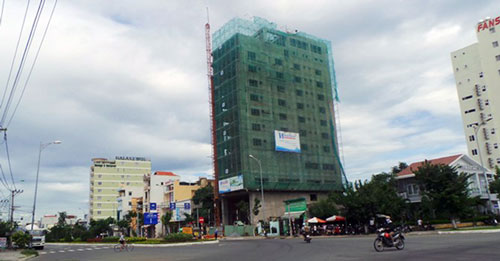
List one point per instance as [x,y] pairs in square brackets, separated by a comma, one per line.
[286,141]
[231,184]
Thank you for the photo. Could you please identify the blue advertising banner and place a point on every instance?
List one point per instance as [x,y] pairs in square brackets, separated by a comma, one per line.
[150,218]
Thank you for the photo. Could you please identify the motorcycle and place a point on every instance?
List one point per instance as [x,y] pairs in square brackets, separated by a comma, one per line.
[384,240]
[307,238]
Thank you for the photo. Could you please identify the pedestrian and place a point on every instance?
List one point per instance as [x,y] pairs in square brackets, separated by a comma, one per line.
[216,232]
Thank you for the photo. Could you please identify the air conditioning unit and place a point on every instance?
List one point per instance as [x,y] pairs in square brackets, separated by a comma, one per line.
[486,134]
[480,104]
[488,148]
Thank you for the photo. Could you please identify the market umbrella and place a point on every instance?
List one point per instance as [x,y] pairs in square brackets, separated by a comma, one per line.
[316,220]
[335,218]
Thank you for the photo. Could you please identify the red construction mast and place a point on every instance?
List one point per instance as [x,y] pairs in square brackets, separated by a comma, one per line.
[211,100]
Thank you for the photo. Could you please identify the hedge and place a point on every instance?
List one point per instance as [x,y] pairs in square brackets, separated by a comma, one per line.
[179,237]
[135,239]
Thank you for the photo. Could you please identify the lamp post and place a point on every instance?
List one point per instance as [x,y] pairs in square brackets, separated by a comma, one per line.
[476,127]
[261,188]
[42,146]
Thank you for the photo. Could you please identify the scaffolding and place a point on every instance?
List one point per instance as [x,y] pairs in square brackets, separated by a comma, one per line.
[266,80]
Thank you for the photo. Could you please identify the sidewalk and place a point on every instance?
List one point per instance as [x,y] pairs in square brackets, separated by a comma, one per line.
[135,244]
[9,255]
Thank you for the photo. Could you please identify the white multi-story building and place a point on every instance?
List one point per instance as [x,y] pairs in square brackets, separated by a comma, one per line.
[108,177]
[477,75]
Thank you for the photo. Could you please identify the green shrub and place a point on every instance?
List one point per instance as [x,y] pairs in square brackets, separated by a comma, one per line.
[439,221]
[135,239]
[110,239]
[21,239]
[29,252]
[178,237]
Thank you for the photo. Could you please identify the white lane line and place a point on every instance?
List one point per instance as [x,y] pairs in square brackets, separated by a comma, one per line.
[52,252]
[79,249]
[43,253]
[96,248]
[88,248]
[61,251]
[71,250]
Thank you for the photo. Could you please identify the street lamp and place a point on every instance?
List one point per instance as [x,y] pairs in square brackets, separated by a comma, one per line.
[261,188]
[42,146]
[476,127]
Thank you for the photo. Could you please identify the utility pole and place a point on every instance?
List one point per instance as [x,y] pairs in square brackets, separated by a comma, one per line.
[13,194]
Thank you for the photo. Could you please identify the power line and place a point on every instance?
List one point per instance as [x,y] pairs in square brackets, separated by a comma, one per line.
[4,180]
[34,61]
[8,159]
[23,60]
[1,12]
[15,54]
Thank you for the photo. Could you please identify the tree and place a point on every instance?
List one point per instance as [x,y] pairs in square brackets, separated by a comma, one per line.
[243,211]
[324,208]
[165,220]
[400,167]
[61,221]
[445,190]
[205,198]
[256,207]
[495,185]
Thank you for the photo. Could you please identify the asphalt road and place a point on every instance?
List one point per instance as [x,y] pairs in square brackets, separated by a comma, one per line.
[418,247]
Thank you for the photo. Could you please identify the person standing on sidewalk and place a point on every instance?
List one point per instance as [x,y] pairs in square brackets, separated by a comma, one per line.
[216,232]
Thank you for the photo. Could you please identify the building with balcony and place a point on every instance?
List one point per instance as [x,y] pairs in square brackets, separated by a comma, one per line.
[477,76]
[108,177]
[478,180]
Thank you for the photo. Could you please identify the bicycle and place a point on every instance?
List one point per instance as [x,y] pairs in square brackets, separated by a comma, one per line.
[127,247]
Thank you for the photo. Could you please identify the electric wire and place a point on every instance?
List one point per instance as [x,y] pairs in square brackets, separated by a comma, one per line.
[8,160]
[23,60]
[1,11]
[33,65]
[4,180]
[15,54]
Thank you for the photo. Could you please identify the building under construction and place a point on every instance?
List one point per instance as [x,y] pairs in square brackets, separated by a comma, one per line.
[274,95]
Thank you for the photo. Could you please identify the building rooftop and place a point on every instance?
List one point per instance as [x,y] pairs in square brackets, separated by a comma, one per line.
[165,173]
[414,166]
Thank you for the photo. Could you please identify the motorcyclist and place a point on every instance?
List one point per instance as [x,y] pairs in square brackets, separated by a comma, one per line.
[389,227]
[305,231]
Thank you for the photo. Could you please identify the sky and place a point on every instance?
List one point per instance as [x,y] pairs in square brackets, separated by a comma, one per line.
[128,78]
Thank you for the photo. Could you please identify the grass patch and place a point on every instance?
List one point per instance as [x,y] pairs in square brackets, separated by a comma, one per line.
[29,252]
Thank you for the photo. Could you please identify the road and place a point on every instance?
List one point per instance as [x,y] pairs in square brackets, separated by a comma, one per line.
[418,247]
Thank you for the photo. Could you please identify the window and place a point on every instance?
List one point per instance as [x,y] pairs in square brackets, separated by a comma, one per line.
[313,197]
[99,190]
[322,122]
[99,183]
[326,148]
[99,204]
[98,212]
[254,97]
[301,119]
[497,58]
[495,44]
[321,109]
[297,79]
[279,75]
[466,97]
[304,146]
[319,84]
[296,66]
[311,165]
[255,112]
[495,145]
[474,152]
[278,61]
[281,102]
[285,53]
[282,116]
[252,68]
[251,56]
[469,111]
[299,92]
[324,135]
[317,72]
[130,203]
[255,126]
[281,88]
[412,189]
[321,97]
[471,138]
[303,133]
[257,142]
[492,130]
[300,106]
[283,129]
[253,83]
[328,166]
[99,197]
[130,193]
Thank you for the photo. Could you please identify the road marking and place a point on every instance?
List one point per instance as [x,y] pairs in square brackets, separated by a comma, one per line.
[80,249]
[43,253]
[52,252]
[71,250]
[97,248]
[61,251]
[88,249]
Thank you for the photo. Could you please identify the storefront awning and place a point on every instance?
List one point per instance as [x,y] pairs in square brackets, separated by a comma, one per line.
[293,214]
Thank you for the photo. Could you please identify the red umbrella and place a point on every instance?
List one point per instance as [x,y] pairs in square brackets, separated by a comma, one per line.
[335,218]
[316,220]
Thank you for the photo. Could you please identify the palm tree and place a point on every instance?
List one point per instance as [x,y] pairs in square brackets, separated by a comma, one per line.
[165,220]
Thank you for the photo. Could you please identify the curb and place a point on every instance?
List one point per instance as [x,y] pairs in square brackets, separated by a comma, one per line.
[470,231]
[137,245]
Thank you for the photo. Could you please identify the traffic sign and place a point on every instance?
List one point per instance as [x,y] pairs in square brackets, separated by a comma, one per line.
[150,218]
[152,206]
[187,205]
[172,206]
[202,220]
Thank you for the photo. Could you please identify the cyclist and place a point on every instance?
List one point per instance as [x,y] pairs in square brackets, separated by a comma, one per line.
[122,241]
